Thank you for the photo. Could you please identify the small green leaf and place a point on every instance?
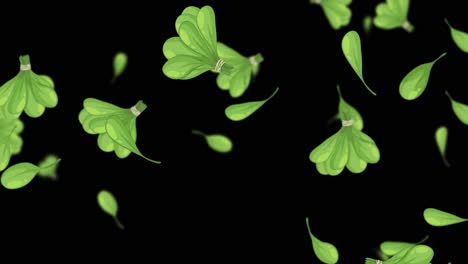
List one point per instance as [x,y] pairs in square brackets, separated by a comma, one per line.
[393,14]
[108,204]
[441,135]
[459,37]
[48,167]
[436,217]
[238,112]
[460,110]
[351,46]
[367,24]
[119,64]
[217,142]
[415,82]
[325,252]
[19,175]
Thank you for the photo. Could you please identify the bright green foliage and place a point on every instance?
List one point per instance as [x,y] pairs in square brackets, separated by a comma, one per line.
[243,70]
[337,12]
[115,126]
[436,217]
[351,46]
[415,82]
[27,91]
[194,51]
[441,135]
[119,64]
[238,112]
[459,37]
[49,172]
[460,110]
[325,252]
[393,14]
[349,147]
[21,174]
[109,205]
[10,140]
[217,142]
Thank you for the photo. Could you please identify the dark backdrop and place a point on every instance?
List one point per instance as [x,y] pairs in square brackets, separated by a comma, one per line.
[249,205]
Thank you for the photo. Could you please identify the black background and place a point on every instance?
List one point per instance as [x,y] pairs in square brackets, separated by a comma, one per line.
[249,205]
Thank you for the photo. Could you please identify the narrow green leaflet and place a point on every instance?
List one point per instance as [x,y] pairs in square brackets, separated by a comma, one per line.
[436,217]
[325,252]
[10,140]
[460,110]
[441,135]
[119,64]
[393,14]
[115,126]
[415,82]
[217,142]
[351,46]
[28,92]
[195,50]
[238,112]
[459,37]
[349,147]
[21,174]
[244,68]
[337,12]
[108,204]
[48,167]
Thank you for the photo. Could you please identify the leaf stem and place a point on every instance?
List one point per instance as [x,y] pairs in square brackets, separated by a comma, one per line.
[438,58]
[119,224]
[198,132]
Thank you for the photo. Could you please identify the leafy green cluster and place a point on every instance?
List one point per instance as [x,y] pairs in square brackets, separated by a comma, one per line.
[30,93]
[115,126]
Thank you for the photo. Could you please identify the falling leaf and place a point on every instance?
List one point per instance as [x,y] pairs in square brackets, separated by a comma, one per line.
[108,204]
[441,135]
[238,112]
[460,110]
[119,64]
[325,252]
[459,37]
[436,217]
[415,82]
[217,142]
[351,46]
[49,167]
